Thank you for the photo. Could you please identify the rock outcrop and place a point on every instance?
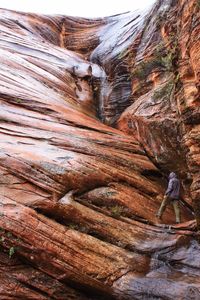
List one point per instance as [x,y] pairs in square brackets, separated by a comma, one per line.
[93,116]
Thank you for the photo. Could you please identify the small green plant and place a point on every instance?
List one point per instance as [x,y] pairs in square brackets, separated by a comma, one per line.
[11,251]
[166,61]
[164,92]
[198,3]
[2,239]
[18,100]
[157,61]
[73,226]
[116,211]
[109,193]
[145,68]
[161,18]
[83,229]
[79,227]
[164,57]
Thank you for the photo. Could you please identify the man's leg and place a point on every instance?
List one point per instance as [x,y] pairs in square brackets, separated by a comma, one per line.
[163,206]
[177,211]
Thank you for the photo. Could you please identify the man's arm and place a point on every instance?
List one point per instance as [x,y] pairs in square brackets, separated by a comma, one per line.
[169,188]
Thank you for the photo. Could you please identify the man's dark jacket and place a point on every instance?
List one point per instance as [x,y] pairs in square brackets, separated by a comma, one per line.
[173,189]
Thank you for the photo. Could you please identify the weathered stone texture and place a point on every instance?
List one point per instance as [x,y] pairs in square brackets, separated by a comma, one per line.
[104,108]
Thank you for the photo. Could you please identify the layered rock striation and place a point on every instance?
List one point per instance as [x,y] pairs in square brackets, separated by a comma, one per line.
[93,116]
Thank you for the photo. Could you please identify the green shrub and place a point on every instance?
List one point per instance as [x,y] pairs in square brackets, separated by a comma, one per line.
[2,239]
[166,61]
[110,193]
[162,58]
[116,211]
[164,92]
[11,251]
[145,68]
[73,226]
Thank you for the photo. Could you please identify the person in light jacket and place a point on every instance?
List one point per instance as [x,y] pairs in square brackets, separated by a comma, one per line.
[171,196]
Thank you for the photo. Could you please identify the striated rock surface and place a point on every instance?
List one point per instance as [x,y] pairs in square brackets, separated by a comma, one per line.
[93,116]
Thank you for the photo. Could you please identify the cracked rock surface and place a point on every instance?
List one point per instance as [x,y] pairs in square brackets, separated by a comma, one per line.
[94,114]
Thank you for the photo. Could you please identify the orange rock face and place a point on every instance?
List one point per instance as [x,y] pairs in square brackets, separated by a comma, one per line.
[94,114]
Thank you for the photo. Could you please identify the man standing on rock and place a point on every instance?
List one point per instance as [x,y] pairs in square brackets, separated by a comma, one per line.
[171,196]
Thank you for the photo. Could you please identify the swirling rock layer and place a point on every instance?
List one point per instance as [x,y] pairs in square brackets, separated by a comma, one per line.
[64,82]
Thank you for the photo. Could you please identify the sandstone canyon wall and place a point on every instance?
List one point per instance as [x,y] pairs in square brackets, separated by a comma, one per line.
[106,108]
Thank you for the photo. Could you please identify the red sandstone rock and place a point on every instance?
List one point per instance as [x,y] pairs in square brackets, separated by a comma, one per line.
[61,79]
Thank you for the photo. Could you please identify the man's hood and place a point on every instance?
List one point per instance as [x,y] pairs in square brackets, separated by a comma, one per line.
[172,175]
